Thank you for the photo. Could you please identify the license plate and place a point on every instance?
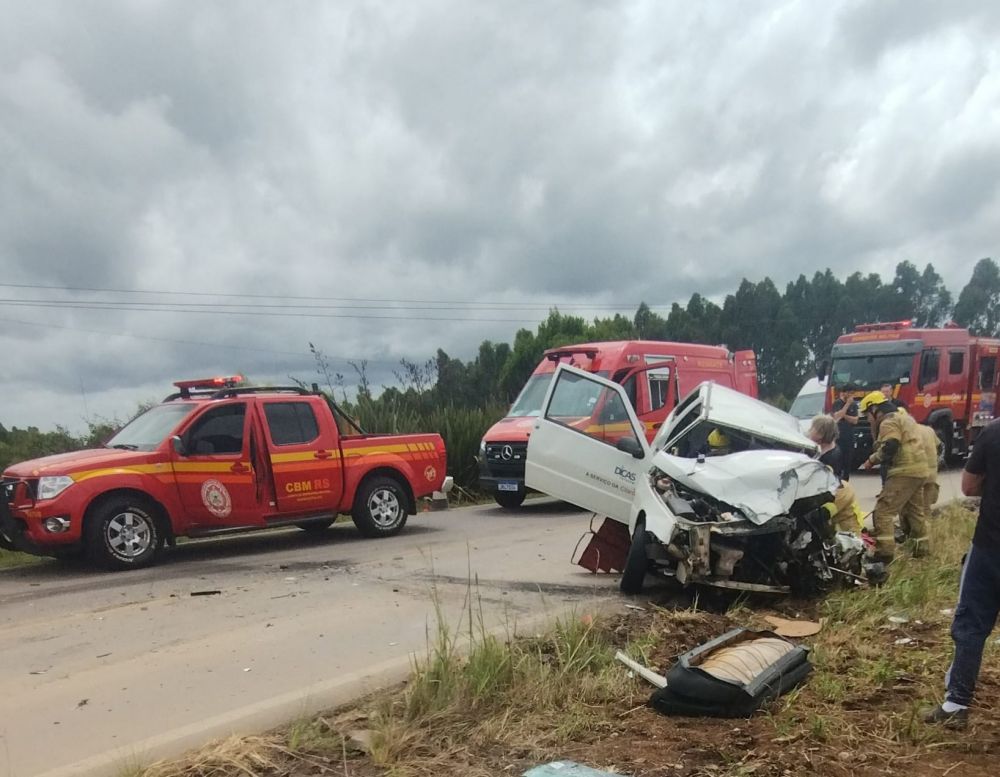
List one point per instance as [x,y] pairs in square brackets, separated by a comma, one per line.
[507,485]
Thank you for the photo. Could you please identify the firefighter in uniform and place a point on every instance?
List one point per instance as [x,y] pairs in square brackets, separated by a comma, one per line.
[914,529]
[899,453]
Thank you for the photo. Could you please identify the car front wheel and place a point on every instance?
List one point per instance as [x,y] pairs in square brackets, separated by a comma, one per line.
[636,562]
[123,534]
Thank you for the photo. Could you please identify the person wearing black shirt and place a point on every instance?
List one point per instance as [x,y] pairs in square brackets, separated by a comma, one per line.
[845,413]
[979,590]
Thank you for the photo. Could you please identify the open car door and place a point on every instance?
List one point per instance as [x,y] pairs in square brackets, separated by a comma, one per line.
[587,447]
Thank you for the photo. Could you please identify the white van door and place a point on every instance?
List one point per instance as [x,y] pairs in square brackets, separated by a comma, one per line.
[587,447]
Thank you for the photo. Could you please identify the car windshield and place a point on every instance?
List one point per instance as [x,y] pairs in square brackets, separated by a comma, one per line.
[870,372]
[145,432]
[529,401]
[807,405]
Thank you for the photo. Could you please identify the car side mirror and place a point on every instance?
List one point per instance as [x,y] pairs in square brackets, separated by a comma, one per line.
[178,445]
[631,446]
[821,368]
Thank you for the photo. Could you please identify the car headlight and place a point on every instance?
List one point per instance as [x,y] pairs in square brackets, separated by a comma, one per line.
[51,487]
[482,447]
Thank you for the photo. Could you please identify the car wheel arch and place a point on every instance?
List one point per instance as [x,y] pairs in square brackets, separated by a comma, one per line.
[160,514]
[401,480]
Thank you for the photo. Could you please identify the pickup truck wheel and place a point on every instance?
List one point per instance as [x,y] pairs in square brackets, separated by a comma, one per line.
[380,508]
[636,563]
[510,500]
[123,534]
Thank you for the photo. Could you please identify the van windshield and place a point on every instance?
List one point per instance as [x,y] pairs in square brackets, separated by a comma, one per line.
[806,406]
[529,401]
[870,372]
[147,431]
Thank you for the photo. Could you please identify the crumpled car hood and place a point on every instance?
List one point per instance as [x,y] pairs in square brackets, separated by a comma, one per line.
[760,484]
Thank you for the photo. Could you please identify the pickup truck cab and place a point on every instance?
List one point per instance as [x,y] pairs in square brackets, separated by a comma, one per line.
[216,457]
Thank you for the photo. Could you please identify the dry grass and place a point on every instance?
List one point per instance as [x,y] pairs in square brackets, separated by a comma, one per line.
[479,704]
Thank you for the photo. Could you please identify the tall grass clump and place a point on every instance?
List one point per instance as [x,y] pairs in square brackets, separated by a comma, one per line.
[492,689]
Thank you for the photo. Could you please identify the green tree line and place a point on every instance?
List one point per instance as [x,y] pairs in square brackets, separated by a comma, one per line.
[789,330]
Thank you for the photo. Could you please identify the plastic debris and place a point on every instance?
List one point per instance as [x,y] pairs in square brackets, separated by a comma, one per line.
[903,641]
[784,627]
[898,619]
[565,769]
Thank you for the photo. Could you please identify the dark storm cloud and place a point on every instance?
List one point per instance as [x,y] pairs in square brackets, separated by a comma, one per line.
[531,152]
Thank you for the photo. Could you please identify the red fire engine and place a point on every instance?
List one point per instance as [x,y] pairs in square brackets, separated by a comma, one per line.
[945,378]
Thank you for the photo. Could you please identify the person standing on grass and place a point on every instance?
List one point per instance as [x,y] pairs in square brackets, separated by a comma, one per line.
[913,527]
[845,413]
[899,455]
[979,590]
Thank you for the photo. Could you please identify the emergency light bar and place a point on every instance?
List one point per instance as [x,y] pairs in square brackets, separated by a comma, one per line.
[884,326]
[221,381]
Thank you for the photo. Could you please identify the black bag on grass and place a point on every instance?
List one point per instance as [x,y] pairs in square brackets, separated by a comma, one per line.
[732,676]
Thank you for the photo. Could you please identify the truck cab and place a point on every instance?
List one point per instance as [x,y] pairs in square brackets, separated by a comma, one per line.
[944,378]
[653,374]
[217,457]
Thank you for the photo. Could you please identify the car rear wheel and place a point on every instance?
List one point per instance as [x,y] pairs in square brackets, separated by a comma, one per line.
[509,500]
[122,533]
[636,563]
[380,507]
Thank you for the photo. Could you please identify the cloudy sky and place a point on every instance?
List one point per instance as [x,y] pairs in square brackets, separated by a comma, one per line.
[194,188]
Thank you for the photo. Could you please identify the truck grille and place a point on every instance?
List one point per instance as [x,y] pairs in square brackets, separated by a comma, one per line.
[506,458]
[16,491]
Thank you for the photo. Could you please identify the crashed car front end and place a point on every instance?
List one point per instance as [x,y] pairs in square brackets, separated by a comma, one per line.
[751,521]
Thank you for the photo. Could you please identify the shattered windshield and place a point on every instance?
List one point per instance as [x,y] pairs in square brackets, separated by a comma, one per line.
[870,372]
[147,431]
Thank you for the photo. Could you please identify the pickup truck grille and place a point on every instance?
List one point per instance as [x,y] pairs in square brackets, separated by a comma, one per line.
[16,491]
[506,458]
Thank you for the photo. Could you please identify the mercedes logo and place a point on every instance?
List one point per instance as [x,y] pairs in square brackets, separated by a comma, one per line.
[506,453]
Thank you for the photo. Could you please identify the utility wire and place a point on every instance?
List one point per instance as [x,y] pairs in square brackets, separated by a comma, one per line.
[302,353]
[418,302]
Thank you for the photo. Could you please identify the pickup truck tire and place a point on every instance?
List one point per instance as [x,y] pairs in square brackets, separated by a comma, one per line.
[380,507]
[636,563]
[509,500]
[122,533]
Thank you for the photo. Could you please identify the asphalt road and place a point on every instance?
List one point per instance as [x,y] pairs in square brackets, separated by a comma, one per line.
[103,670]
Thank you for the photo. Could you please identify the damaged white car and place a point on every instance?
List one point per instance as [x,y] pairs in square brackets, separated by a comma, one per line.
[727,495]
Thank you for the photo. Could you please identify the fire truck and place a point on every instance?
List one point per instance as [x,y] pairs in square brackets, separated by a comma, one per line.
[655,375]
[945,378]
[217,457]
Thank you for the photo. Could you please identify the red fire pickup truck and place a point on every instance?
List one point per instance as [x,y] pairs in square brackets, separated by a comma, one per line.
[217,457]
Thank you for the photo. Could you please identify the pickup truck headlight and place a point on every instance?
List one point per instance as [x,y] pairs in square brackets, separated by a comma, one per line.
[482,447]
[51,487]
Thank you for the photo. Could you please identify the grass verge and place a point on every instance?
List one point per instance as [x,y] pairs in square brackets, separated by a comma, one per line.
[478,703]
[11,558]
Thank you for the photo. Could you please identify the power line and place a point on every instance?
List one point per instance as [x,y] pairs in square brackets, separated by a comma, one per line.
[187,342]
[131,307]
[417,302]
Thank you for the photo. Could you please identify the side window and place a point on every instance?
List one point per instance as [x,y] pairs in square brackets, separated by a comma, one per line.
[291,423]
[659,387]
[629,387]
[987,372]
[218,431]
[574,400]
[929,367]
[956,362]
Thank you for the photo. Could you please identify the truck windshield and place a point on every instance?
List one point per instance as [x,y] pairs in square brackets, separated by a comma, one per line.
[870,372]
[529,401]
[145,432]
[806,406]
